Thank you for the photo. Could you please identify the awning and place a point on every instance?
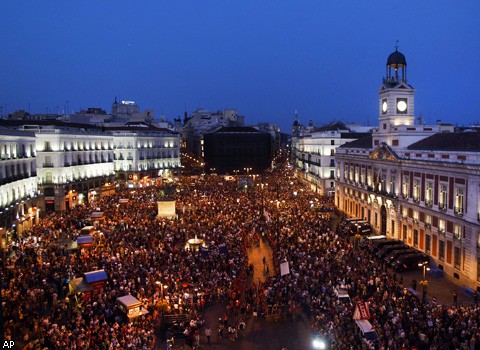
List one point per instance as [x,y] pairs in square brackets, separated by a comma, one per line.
[84,240]
[95,276]
[97,215]
[78,285]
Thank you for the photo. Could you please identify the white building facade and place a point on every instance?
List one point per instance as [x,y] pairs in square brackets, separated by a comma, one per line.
[145,154]
[411,181]
[314,155]
[18,182]
[72,163]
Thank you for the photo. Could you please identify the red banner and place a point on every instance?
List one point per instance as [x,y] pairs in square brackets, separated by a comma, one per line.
[362,311]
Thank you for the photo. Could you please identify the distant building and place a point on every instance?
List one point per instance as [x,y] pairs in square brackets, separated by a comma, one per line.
[129,111]
[202,121]
[416,183]
[237,150]
[313,153]
[89,116]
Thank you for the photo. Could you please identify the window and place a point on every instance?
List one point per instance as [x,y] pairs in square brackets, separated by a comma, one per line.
[362,176]
[332,162]
[428,243]
[332,152]
[404,212]
[457,257]
[47,146]
[415,216]
[332,142]
[428,194]
[442,204]
[416,190]
[332,174]
[415,238]
[428,221]
[392,184]
[441,250]
[457,231]
[405,187]
[459,201]
[404,232]
[441,226]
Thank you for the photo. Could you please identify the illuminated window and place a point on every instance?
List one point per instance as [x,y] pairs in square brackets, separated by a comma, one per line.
[442,203]
[457,230]
[459,201]
[405,186]
[428,194]
[441,225]
[416,190]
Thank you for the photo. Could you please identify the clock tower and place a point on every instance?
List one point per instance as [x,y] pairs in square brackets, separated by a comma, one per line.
[396,96]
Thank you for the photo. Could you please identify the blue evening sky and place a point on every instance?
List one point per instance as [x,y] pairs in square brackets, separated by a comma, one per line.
[267,59]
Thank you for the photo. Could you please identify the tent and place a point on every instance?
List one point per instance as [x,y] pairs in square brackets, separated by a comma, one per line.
[85,241]
[131,306]
[78,285]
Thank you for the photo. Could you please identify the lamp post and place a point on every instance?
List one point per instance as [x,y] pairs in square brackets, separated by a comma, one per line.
[162,287]
[424,280]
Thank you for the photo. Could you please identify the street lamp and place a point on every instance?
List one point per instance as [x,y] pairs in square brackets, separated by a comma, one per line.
[319,343]
[162,287]
[424,282]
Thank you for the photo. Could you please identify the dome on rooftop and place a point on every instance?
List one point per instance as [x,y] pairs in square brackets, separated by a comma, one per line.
[396,59]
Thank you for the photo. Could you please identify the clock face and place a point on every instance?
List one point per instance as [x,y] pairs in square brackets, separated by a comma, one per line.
[384,106]
[402,106]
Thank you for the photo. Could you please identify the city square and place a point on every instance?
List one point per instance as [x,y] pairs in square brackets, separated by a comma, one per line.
[240,175]
[235,275]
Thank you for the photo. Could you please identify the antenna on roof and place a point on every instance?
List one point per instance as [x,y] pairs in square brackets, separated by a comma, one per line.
[396,45]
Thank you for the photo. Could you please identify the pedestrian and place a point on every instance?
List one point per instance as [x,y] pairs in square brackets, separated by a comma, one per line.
[208,333]
[220,330]
[455,297]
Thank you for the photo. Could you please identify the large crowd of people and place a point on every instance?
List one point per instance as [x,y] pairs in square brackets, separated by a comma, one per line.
[140,252]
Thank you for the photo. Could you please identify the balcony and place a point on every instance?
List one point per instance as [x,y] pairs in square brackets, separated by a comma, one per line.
[442,206]
[48,165]
[428,203]
[458,211]
[427,225]
[416,199]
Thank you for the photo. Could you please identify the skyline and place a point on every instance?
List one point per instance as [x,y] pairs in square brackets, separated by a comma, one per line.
[264,59]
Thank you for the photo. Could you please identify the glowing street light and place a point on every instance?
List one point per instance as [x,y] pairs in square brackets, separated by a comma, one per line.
[319,343]
[424,282]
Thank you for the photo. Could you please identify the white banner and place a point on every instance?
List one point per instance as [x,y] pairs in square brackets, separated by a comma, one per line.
[284,268]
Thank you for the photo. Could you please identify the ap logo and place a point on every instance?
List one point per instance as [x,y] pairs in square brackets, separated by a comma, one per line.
[8,344]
